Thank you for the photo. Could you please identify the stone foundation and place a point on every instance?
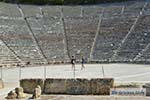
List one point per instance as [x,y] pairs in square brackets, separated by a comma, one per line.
[99,86]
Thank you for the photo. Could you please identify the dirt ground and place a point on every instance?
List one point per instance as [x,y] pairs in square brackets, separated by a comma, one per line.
[84,97]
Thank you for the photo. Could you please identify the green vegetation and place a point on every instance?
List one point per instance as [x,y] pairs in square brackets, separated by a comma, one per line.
[61,2]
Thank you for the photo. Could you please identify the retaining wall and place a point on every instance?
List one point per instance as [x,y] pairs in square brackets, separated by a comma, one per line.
[69,86]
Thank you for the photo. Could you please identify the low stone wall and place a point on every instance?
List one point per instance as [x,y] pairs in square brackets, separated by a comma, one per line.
[1,84]
[69,86]
[30,84]
[55,86]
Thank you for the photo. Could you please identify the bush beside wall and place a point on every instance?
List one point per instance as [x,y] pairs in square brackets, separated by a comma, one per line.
[62,2]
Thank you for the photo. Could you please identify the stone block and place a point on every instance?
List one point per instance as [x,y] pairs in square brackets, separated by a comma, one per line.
[30,84]
[101,86]
[11,95]
[55,86]
[147,91]
[147,87]
[20,93]
[37,92]
[78,86]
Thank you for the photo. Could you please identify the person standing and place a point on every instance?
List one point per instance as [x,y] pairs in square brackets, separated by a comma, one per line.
[73,62]
[82,63]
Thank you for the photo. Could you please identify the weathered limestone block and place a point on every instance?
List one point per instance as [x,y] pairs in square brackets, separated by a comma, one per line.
[101,86]
[30,84]
[147,86]
[1,84]
[78,86]
[20,93]
[147,91]
[55,86]
[11,95]
[37,92]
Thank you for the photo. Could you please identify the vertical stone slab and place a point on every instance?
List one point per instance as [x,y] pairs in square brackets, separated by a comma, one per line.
[101,86]
[147,91]
[78,86]
[55,86]
[147,87]
[30,84]
[1,84]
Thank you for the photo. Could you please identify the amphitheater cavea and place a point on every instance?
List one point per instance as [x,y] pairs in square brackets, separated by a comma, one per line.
[111,39]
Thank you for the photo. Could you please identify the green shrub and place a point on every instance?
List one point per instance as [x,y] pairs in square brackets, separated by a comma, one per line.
[61,2]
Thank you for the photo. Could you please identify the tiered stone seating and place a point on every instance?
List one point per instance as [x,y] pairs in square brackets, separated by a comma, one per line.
[112,32]
[50,35]
[71,11]
[6,56]
[112,11]
[31,10]
[80,33]
[9,10]
[147,9]
[77,32]
[133,8]
[92,11]
[15,33]
[145,56]
[137,40]
[51,11]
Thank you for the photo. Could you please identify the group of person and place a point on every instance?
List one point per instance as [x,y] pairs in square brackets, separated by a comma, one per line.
[73,61]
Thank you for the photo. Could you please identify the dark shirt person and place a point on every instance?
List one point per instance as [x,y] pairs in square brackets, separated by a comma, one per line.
[82,63]
[73,62]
